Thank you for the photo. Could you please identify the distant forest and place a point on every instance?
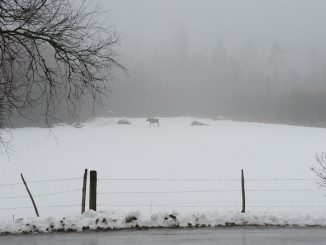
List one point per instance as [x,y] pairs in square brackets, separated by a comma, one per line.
[250,85]
[274,86]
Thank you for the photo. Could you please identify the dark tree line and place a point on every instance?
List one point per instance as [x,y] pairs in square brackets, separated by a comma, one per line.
[51,52]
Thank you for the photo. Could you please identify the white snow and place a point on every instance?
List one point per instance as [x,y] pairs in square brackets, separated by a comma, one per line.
[91,221]
[194,170]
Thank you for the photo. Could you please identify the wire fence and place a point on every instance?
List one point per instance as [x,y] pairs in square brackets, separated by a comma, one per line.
[279,188]
[203,191]
[193,193]
[58,198]
[202,179]
[40,181]
[41,195]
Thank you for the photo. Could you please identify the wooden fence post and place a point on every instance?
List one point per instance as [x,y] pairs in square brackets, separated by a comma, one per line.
[84,192]
[30,195]
[243,192]
[92,189]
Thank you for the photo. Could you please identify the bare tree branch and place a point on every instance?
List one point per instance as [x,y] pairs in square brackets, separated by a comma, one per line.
[320,169]
[51,50]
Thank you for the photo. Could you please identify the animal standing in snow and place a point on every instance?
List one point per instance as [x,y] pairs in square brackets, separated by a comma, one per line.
[153,121]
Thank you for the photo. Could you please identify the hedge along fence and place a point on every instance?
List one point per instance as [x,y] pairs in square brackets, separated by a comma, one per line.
[109,184]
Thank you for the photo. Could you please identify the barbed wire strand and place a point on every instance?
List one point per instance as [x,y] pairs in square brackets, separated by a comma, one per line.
[205,206]
[41,195]
[157,179]
[167,205]
[203,180]
[41,181]
[203,191]
[49,206]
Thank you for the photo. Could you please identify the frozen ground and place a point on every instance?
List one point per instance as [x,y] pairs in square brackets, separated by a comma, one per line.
[174,168]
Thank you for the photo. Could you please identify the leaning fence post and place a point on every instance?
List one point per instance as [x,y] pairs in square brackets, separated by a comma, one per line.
[30,195]
[243,192]
[92,189]
[84,192]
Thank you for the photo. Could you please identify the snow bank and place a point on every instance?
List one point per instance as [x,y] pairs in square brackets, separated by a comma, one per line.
[95,221]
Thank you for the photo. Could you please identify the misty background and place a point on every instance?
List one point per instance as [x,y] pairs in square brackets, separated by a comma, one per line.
[253,60]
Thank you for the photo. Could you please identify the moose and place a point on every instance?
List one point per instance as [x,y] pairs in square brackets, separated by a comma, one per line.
[153,121]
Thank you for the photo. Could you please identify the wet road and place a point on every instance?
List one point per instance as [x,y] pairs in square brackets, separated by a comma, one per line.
[216,236]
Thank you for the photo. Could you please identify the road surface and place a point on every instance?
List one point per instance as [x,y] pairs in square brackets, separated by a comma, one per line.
[216,236]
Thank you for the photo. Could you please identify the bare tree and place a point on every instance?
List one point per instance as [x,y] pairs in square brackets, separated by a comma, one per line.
[320,169]
[52,51]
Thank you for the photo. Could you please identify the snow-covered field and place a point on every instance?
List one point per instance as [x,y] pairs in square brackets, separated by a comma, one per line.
[172,169]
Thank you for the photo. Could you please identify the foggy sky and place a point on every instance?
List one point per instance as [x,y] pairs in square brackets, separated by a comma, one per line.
[246,59]
[145,24]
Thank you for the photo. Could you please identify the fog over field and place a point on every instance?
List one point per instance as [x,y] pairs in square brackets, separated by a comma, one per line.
[253,60]
[249,60]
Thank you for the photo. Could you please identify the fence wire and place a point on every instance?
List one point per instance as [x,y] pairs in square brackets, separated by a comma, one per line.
[219,204]
[205,206]
[41,181]
[42,207]
[250,204]
[41,195]
[202,179]
[203,191]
